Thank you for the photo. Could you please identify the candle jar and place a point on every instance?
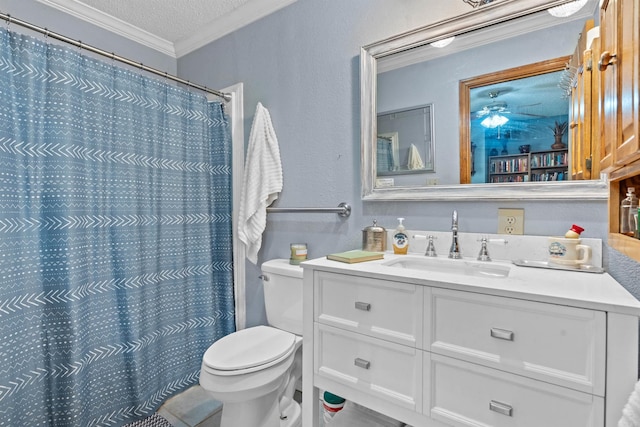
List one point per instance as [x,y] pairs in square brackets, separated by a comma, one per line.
[298,253]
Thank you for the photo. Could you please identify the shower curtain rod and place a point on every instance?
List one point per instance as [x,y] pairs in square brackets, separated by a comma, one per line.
[113,56]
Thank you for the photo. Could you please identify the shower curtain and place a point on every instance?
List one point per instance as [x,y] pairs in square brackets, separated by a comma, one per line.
[115,237]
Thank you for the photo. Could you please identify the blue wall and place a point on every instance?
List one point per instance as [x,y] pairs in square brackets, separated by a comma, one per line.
[302,63]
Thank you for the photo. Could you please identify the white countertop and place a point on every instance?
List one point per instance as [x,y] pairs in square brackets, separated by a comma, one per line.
[598,291]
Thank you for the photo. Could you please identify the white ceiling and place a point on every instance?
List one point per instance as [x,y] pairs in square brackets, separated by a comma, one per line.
[174,27]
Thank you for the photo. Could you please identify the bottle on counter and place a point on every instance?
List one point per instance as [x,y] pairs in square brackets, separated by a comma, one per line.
[628,208]
[400,239]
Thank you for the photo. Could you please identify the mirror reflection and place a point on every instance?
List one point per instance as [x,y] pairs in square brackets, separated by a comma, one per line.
[404,143]
[516,116]
[517,126]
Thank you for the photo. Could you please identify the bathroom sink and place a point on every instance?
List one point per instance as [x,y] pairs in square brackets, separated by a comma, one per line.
[451,266]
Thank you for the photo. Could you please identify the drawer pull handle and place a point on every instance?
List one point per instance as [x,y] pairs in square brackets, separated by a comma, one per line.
[361,363]
[501,408]
[364,306]
[502,334]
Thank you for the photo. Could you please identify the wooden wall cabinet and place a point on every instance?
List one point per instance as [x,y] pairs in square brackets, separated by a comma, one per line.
[584,129]
[619,67]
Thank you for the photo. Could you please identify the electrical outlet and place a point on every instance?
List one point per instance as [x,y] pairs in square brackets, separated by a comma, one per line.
[510,221]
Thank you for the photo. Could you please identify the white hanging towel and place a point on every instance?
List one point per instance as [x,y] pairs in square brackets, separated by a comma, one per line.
[261,184]
[415,161]
[631,411]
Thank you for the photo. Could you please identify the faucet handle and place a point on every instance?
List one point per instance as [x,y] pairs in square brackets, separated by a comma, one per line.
[486,239]
[431,249]
[484,251]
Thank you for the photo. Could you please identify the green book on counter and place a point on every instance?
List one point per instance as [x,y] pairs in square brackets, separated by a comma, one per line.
[352,257]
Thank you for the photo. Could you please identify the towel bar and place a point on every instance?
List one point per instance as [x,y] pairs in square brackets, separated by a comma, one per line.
[343,210]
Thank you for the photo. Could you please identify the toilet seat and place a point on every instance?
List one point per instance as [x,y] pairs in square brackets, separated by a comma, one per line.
[249,350]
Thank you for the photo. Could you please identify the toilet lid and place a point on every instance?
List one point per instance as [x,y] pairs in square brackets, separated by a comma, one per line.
[249,348]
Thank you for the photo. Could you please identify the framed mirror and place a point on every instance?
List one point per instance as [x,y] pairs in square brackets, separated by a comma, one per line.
[407,70]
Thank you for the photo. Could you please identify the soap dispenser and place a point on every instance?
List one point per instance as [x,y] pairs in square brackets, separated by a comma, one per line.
[400,239]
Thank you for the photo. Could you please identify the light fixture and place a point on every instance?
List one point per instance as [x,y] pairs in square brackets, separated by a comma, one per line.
[567,9]
[493,121]
[476,3]
[442,43]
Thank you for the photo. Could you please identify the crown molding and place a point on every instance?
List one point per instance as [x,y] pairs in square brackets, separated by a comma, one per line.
[112,24]
[238,18]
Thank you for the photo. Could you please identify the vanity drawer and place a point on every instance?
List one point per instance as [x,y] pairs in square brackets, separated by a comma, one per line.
[465,394]
[379,308]
[558,344]
[379,368]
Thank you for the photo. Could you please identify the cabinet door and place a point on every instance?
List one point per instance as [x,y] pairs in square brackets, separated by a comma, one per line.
[577,127]
[552,343]
[628,146]
[377,367]
[608,83]
[580,123]
[593,108]
[465,394]
[379,308]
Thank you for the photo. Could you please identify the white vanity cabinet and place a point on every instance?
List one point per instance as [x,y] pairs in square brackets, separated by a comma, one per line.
[533,349]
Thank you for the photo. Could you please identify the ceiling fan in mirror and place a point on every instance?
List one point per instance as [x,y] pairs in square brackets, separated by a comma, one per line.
[497,113]
[493,113]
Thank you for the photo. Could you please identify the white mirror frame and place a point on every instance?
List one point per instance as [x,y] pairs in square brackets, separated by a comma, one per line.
[493,13]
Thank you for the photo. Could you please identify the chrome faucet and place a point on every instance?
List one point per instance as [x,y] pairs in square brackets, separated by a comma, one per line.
[454,252]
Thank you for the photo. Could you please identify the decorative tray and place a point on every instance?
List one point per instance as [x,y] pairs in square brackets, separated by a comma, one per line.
[544,264]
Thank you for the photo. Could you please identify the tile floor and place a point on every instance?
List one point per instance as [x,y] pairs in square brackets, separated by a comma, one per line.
[195,408]
[192,408]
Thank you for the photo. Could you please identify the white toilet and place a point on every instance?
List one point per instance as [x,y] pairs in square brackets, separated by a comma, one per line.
[254,372]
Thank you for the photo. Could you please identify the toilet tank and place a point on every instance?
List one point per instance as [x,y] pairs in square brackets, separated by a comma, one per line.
[283,295]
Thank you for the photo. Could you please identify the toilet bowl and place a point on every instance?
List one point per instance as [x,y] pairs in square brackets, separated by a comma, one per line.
[254,371]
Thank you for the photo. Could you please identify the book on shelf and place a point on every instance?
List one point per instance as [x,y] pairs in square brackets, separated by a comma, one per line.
[354,256]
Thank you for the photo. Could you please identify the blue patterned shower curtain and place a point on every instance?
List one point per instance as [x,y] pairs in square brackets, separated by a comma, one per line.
[115,237]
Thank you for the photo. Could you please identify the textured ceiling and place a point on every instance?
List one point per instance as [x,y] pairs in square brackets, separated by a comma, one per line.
[174,27]
[172,20]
